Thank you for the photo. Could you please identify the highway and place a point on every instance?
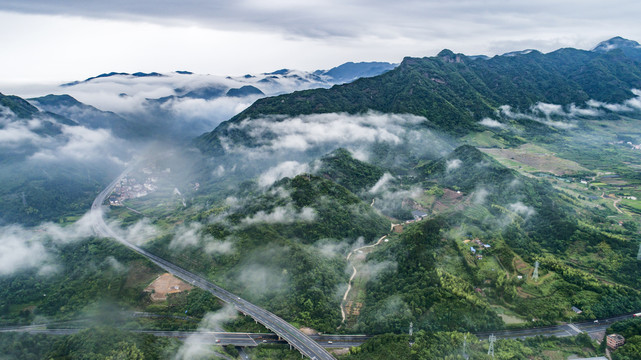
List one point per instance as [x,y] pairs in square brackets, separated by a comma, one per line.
[211,337]
[563,330]
[334,341]
[284,330]
[310,346]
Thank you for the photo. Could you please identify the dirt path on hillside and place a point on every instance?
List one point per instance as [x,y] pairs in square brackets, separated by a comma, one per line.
[616,207]
[614,202]
[351,279]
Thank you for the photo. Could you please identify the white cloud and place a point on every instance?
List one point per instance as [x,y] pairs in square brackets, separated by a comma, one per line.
[244,36]
[218,171]
[339,129]
[22,248]
[492,123]
[284,169]
[282,215]
[18,251]
[574,111]
[138,233]
[15,134]
[197,346]
[542,112]
[452,164]
[549,109]
[381,184]
[522,209]
[192,235]
[219,247]
[186,236]
[330,248]
[390,200]
[80,143]
[479,196]
[632,104]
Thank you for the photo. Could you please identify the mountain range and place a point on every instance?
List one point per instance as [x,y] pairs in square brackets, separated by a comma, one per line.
[450,195]
[454,93]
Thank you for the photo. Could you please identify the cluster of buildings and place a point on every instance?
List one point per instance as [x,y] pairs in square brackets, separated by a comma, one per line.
[479,247]
[130,188]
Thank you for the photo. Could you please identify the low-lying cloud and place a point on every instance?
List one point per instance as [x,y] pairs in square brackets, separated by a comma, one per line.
[284,169]
[22,248]
[452,164]
[564,117]
[541,112]
[492,123]
[199,345]
[80,143]
[282,215]
[522,209]
[333,130]
[44,139]
[382,183]
[192,235]
[630,105]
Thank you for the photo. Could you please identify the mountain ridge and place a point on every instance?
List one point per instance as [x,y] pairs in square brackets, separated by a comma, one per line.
[455,92]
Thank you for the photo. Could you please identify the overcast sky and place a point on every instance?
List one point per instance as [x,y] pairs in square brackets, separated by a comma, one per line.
[44,40]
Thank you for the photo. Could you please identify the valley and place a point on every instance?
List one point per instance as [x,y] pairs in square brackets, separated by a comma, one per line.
[426,207]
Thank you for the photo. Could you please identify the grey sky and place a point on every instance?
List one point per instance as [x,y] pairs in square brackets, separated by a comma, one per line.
[73,39]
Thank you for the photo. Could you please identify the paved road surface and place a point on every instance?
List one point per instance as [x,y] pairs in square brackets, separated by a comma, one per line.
[211,337]
[337,341]
[286,331]
[588,327]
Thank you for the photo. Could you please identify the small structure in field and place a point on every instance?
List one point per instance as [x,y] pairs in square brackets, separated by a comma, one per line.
[166,284]
[614,341]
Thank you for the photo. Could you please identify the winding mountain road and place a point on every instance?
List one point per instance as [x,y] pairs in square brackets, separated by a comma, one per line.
[284,331]
[294,337]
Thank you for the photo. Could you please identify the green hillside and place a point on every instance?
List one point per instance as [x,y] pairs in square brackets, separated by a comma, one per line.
[455,92]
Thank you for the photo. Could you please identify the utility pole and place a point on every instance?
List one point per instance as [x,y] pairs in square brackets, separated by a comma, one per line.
[465,356]
[535,274]
[490,349]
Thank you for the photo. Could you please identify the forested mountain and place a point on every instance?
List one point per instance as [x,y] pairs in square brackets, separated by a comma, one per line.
[454,92]
[448,195]
[48,167]
[87,115]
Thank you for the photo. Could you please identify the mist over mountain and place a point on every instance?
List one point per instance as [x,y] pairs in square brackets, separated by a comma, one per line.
[630,48]
[86,115]
[450,194]
[455,93]
[181,104]
[350,71]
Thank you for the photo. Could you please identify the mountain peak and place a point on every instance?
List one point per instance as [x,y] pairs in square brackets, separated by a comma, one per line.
[56,100]
[448,55]
[445,53]
[616,42]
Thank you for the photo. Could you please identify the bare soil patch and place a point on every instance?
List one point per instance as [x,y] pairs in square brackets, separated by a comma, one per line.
[166,284]
[308,331]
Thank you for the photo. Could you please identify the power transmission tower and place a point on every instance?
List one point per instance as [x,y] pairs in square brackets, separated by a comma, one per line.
[411,334]
[490,349]
[639,253]
[535,274]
